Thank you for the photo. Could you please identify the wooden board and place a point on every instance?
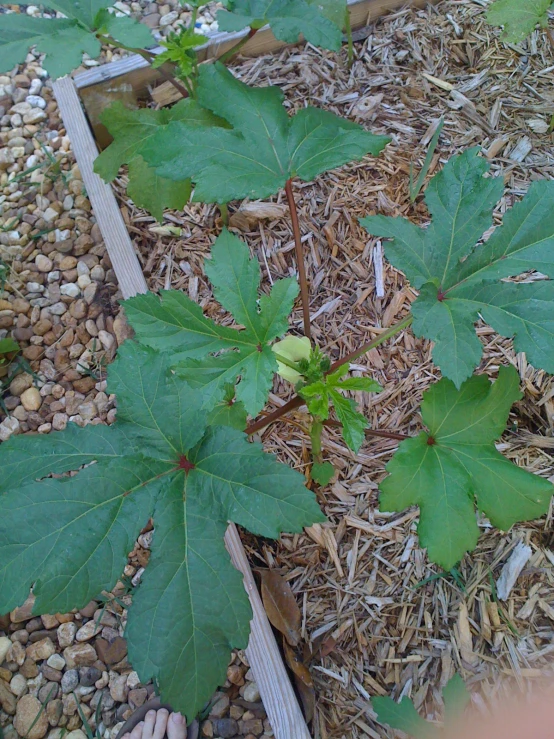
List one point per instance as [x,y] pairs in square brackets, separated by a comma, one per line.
[263,653]
[134,78]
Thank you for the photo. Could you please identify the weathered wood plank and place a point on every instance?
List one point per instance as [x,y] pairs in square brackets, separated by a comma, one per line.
[108,216]
[133,75]
[263,653]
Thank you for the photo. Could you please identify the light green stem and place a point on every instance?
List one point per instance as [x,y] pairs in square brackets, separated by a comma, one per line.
[315,437]
[287,362]
[224,210]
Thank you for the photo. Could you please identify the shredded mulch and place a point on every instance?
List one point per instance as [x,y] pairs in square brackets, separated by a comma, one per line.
[360,580]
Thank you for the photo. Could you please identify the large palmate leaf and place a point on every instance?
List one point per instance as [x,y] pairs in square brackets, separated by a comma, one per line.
[131,129]
[519,17]
[454,466]
[288,19]
[68,538]
[265,148]
[403,715]
[334,10]
[65,40]
[208,356]
[458,281]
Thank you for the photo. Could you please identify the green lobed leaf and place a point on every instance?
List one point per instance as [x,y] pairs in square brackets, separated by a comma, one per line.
[353,423]
[334,10]
[454,467]
[160,460]
[459,279]
[210,357]
[65,40]
[322,472]
[318,395]
[519,17]
[263,150]
[288,20]
[403,716]
[131,129]
[456,698]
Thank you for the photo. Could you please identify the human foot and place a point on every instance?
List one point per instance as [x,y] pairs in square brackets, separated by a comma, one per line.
[158,724]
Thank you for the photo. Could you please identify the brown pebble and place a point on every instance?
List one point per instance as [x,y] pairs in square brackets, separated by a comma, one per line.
[42,326]
[32,352]
[112,653]
[68,263]
[29,668]
[21,635]
[84,385]
[65,618]
[30,720]
[23,613]
[78,309]
[20,305]
[23,334]
[51,674]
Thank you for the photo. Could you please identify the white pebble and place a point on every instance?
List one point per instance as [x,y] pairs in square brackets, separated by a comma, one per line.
[43,263]
[83,281]
[8,427]
[107,339]
[82,268]
[35,287]
[36,101]
[35,87]
[70,289]
[168,19]
[50,214]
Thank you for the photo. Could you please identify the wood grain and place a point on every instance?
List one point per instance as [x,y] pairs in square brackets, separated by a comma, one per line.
[108,216]
[137,76]
[262,652]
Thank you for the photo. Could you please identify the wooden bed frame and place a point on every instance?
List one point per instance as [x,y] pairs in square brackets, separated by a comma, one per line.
[110,81]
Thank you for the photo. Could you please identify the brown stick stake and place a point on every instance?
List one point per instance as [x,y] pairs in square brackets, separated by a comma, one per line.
[299,260]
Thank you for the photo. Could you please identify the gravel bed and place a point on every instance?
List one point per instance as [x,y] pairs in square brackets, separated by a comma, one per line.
[60,302]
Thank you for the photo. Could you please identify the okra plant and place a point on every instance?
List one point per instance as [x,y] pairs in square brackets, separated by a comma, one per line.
[190,391]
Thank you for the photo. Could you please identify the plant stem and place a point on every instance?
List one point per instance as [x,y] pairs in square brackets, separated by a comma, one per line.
[315,436]
[234,50]
[287,362]
[304,294]
[372,432]
[348,26]
[393,330]
[297,401]
[149,56]
[224,210]
[264,421]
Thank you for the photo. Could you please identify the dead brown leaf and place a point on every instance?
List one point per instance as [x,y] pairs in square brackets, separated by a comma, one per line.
[280,605]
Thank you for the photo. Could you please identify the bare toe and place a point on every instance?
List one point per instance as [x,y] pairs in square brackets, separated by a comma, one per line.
[149,723]
[137,731]
[176,727]
[161,724]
